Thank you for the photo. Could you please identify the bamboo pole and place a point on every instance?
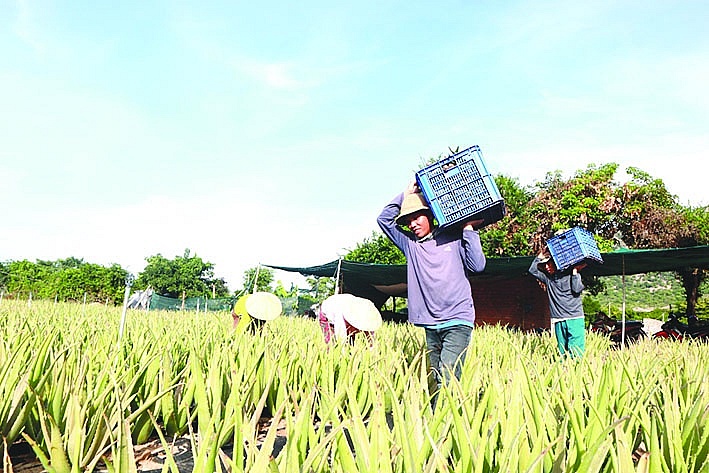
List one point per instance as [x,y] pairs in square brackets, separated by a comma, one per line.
[253,289]
[129,283]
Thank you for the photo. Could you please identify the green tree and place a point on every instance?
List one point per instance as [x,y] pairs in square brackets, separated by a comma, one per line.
[4,276]
[113,283]
[320,288]
[697,233]
[68,284]
[70,279]
[185,276]
[377,249]
[641,212]
[66,263]
[284,293]
[585,200]
[510,235]
[265,279]
[25,278]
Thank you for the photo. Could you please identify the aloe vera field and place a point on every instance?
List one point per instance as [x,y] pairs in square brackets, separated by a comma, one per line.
[82,391]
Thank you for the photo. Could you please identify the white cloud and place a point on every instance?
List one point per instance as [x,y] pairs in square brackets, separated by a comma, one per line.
[278,76]
[25,27]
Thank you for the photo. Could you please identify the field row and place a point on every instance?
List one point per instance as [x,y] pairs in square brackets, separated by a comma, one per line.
[82,392]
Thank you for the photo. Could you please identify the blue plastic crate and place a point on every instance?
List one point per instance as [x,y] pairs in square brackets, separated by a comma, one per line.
[573,247]
[459,188]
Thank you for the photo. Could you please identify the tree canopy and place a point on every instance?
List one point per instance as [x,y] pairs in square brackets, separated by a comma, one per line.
[184,276]
[69,279]
[264,280]
[377,248]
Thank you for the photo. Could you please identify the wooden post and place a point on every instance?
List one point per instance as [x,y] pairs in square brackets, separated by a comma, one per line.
[129,283]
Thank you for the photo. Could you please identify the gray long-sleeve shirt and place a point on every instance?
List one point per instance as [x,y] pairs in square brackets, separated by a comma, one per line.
[563,290]
[438,287]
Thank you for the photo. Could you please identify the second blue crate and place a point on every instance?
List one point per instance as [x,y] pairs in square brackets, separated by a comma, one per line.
[572,247]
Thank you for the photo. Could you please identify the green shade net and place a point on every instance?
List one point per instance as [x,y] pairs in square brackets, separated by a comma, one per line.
[367,280]
[194,304]
[291,305]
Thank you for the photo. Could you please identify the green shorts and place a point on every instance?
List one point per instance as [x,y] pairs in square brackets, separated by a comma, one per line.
[571,336]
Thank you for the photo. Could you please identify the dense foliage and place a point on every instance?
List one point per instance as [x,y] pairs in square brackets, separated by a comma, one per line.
[184,276]
[73,279]
[69,279]
[376,249]
[262,276]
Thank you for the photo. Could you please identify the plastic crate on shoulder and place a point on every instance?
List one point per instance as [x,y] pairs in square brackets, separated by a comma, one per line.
[572,247]
[459,188]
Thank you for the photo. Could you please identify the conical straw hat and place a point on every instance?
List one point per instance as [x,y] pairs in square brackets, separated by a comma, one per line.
[412,203]
[263,305]
[359,312]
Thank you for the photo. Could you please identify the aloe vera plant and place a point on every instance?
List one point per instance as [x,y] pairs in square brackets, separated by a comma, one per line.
[82,399]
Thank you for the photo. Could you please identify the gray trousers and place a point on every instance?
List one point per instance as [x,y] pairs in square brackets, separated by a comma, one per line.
[446,350]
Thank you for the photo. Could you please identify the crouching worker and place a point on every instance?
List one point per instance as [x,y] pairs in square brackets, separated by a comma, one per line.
[252,311]
[563,290]
[343,316]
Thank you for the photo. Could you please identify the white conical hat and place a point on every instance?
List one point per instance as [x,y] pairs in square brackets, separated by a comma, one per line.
[263,305]
[359,312]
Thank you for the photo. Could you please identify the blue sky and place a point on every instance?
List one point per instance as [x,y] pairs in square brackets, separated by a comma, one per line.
[274,133]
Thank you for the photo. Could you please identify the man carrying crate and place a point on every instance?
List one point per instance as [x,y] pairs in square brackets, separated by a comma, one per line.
[437,262]
[563,290]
